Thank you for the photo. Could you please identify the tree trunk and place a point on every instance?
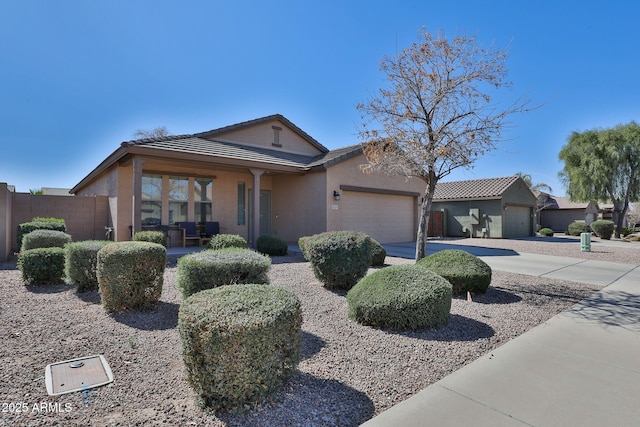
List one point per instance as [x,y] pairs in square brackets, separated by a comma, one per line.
[423,224]
[619,213]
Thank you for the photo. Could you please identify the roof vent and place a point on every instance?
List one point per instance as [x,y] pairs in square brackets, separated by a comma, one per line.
[276,136]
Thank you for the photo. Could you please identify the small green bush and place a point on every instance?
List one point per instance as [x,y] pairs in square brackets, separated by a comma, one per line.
[212,268]
[604,229]
[401,297]
[302,244]
[239,343]
[157,237]
[546,232]
[272,246]
[45,239]
[39,224]
[130,274]
[221,241]
[339,258]
[80,263]
[625,231]
[378,254]
[577,228]
[465,272]
[42,266]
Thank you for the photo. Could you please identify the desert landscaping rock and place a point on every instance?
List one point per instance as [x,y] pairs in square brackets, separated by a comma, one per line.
[348,372]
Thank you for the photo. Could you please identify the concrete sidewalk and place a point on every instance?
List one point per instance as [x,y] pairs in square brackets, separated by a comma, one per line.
[580,368]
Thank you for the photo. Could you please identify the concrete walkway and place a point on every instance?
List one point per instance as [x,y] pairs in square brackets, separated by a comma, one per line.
[580,368]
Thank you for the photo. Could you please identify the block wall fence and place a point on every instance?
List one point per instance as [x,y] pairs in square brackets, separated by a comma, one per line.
[85,217]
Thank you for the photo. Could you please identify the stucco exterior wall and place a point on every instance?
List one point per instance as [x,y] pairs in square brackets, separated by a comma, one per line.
[263,136]
[349,173]
[299,206]
[459,222]
[559,219]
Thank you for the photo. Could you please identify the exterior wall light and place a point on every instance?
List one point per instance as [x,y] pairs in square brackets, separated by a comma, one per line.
[336,195]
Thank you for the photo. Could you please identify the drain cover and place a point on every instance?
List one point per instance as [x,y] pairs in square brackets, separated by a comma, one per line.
[77,375]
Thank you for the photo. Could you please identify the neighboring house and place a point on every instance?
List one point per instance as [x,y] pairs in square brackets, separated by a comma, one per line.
[557,213]
[494,207]
[304,188]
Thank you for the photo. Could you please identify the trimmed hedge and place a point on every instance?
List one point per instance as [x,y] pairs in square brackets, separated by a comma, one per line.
[378,254]
[465,272]
[401,297]
[45,239]
[41,266]
[222,241]
[302,244]
[339,258]
[130,274]
[152,236]
[272,246]
[547,232]
[577,228]
[39,224]
[603,228]
[210,269]
[80,263]
[239,343]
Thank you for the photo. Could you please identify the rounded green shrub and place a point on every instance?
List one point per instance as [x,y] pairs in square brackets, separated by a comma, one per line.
[577,228]
[302,244]
[546,232]
[604,228]
[210,269]
[378,254]
[41,266]
[130,274]
[45,239]
[239,343]
[339,258]
[272,246]
[39,224]
[401,297]
[152,236]
[80,263]
[465,272]
[221,241]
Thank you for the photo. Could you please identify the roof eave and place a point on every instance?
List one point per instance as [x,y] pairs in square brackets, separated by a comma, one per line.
[113,158]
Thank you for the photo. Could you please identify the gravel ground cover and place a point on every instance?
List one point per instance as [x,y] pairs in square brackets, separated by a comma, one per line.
[348,373]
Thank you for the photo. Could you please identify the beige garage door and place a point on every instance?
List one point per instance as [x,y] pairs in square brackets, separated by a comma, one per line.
[386,218]
[517,222]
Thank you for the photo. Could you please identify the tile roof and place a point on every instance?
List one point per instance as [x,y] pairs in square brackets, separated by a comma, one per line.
[203,144]
[489,188]
[194,145]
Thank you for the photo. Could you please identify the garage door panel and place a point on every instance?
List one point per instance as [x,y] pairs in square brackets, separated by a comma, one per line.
[518,222]
[386,218]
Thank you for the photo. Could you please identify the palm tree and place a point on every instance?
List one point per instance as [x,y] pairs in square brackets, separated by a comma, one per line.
[529,181]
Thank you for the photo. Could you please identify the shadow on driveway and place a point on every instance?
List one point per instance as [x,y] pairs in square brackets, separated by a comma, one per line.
[408,250]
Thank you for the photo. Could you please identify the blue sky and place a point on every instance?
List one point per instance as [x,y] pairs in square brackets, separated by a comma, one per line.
[79,77]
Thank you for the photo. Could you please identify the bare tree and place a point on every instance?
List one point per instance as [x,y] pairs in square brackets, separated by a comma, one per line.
[437,113]
[158,132]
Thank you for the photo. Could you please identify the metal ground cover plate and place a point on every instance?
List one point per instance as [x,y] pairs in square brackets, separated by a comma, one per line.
[77,375]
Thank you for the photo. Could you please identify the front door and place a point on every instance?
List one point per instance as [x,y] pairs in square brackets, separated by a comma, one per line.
[265,213]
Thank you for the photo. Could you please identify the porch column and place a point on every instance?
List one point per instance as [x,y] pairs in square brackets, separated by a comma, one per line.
[257,173]
[136,214]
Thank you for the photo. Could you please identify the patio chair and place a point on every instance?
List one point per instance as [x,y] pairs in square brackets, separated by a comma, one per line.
[211,229]
[165,229]
[189,232]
